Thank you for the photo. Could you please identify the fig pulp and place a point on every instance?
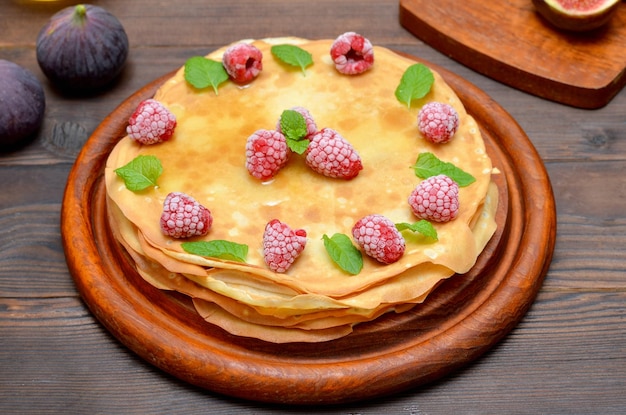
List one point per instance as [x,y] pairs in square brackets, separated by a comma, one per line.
[22,104]
[577,15]
[82,48]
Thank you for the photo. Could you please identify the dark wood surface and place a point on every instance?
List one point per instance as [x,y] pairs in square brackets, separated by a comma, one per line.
[567,355]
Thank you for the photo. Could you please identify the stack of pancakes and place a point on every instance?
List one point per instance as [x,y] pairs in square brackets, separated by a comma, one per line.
[314,300]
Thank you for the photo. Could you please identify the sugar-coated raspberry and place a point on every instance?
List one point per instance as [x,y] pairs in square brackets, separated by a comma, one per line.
[282,245]
[184,217]
[352,53]
[436,199]
[438,122]
[379,238]
[311,126]
[151,123]
[266,153]
[332,155]
[243,62]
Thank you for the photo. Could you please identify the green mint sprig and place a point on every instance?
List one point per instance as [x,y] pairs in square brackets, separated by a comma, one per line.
[422,227]
[293,55]
[428,165]
[415,83]
[293,126]
[202,72]
[228,250]
[140,173]
[344,253]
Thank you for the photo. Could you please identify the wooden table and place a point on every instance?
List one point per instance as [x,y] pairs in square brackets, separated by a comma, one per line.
[568,355]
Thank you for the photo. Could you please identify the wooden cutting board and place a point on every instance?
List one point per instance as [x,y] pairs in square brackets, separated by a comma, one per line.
[509,42]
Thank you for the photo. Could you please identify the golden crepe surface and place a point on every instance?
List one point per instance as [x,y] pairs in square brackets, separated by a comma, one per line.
[205,158]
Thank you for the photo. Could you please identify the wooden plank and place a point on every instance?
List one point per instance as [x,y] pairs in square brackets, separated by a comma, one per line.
[553,362]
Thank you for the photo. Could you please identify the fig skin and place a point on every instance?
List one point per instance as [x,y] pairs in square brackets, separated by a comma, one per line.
[82,48]
[575,22]
[22,104]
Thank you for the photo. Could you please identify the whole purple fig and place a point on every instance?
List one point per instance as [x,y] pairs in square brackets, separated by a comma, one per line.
[82,48]
[22,104]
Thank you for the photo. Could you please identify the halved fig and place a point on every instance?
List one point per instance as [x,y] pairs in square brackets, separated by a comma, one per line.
[577,15]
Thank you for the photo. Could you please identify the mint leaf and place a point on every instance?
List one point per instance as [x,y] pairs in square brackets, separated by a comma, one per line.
[202,73]
[140,173]
[428,165]
[423,227]
[344,253]
[217,249]
[293,126]
[299,146]
[293,55]
[415,83]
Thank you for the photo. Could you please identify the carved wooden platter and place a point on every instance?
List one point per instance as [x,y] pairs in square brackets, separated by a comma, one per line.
[464,317]
[509,42]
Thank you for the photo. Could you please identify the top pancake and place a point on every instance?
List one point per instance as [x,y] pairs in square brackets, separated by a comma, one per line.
[205,158]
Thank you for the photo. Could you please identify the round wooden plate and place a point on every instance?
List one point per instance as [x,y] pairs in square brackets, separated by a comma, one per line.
[463,318]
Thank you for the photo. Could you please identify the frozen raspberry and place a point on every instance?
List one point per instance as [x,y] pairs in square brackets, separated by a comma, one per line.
[436,199]
[352,53]
[151,123]
[243,62]
[311,127]
[379,238]
[266,153]
[438,122]
[184,217]
[332,155]
[282,245]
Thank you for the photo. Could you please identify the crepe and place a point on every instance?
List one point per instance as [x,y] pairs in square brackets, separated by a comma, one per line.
[314,300]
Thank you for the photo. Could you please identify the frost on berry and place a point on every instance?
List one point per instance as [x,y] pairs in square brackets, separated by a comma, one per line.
[184,217]
[436,199]
[243,62]
[379,238]
[311,126]
[438,122]
[332,155]
[151,123]
[352,53]
[282,245]
[266,153]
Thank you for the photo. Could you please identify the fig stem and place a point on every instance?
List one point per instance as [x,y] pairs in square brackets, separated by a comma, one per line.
[80,12]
